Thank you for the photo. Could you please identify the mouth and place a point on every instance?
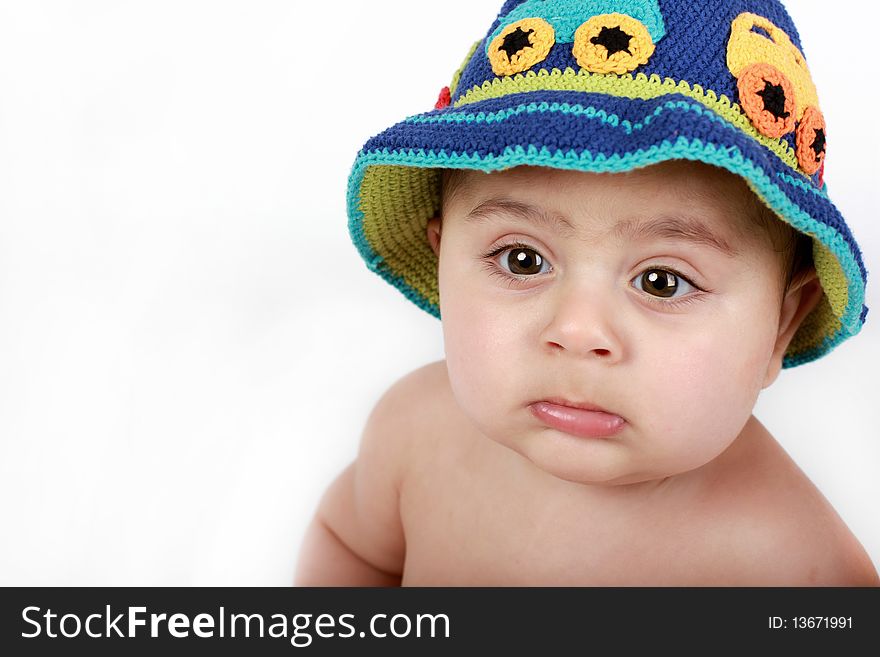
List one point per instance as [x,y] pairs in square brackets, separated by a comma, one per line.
[582,419]
[586,406]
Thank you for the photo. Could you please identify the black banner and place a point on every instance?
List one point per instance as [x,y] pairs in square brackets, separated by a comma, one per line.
[432,621]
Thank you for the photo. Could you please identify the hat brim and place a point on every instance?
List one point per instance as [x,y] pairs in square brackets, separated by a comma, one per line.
[573,123]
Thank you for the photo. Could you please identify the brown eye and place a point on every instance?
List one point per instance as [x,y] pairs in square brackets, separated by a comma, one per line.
[524,262]
[660,282]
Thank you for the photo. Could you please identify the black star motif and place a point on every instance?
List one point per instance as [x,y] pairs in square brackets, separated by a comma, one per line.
[818,144]
[614,39]
[774,99]
[515,41]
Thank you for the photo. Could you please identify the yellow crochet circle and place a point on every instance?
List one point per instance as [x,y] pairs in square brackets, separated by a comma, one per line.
[521,45]
[612,43]
[755,39]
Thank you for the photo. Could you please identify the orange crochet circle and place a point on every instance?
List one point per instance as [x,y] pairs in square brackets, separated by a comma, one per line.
[810,140]
[767,96]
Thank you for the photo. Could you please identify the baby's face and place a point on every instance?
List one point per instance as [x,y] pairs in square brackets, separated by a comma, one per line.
[674,335]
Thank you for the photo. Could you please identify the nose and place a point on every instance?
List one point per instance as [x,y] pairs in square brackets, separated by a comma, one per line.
[585,322]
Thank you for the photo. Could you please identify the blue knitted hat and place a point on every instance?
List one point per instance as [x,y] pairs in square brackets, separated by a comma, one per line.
[609,86]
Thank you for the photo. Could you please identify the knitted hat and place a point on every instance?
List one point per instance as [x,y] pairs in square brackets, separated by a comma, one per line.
[608,86]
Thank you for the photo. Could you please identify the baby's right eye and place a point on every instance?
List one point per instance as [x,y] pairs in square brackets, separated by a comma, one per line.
[518,263]
[523,261]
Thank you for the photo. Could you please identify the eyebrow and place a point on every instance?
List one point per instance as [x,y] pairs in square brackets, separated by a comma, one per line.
[686,229]
[492,209]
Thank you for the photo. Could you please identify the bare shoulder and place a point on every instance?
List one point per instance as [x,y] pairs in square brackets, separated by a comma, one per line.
[414,404]
[415,396]
[402,421]
[777,529]
[362,506]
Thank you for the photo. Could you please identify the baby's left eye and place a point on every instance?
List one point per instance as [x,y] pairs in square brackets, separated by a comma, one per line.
[663,283]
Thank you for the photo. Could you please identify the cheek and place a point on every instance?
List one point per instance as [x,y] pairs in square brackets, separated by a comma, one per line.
[481,343]
[702,391]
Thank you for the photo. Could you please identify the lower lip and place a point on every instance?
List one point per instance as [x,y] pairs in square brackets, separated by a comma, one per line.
[577,421]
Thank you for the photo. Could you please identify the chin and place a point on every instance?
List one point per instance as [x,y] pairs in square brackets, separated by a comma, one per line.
[590,467]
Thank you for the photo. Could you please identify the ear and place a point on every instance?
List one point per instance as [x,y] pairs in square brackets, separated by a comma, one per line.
[434,228]
[802,296]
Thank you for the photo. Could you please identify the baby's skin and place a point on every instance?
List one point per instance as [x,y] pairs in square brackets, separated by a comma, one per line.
[469,474]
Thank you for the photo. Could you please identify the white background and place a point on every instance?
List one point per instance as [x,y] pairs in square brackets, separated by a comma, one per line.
[189,342]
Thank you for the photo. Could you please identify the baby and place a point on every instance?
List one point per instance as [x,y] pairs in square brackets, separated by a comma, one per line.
[622,262]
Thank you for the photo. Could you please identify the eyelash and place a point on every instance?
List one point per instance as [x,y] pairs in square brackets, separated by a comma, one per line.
[512,280]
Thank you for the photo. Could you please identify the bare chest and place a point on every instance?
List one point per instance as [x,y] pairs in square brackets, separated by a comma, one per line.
[473,518]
